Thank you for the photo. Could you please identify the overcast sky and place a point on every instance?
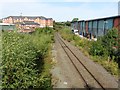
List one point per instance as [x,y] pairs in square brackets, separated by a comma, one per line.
[60,10]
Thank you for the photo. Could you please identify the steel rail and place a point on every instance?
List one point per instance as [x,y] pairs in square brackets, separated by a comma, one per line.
[60,39]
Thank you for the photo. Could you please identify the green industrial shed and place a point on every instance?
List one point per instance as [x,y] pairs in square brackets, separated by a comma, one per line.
[6,26]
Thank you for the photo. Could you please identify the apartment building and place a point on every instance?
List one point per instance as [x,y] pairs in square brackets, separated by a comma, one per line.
[18,20]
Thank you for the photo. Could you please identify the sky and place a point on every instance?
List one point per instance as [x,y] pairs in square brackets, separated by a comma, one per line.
[60,10]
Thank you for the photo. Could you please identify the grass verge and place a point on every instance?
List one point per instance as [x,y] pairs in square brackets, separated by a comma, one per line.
[84,45]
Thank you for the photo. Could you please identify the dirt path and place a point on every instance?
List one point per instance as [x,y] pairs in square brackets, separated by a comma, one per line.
[64,74]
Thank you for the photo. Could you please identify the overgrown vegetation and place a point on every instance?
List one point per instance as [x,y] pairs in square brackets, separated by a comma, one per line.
[106,47]
[58,25]
[26,59]
[104,51]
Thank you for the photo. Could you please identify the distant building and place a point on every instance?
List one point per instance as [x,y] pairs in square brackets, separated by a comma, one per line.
[29,25]
[36,20]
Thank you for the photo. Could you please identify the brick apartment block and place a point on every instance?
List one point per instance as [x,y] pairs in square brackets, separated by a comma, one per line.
[28,22]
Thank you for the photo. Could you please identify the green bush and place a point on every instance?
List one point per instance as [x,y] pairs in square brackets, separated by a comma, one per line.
[97,49]
[106,45]
[45,30]
[18,63]
[23,60]
[110,42]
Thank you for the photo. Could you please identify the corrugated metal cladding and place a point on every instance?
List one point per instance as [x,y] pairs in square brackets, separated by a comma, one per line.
[86,27]
[7,27]
[81,28]
[98,27]
[116,22]
[81,25]
[108,25]
[74,25]
[95,28]
[90,27]
[104,26]
[77,25]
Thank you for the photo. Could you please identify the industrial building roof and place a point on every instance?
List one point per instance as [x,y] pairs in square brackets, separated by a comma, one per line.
[6,24]
[104,18]
[98,19]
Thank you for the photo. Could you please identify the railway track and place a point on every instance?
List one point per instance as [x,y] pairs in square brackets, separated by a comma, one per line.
[72,56]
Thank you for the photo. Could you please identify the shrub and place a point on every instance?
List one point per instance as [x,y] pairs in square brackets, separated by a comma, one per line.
[18,63]
[23,63]
[110,42]
[105,45]
[97,49]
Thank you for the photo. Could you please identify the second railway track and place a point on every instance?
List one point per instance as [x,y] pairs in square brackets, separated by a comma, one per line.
[82,70]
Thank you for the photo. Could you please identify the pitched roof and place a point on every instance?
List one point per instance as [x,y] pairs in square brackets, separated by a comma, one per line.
[49,19]
[29,17]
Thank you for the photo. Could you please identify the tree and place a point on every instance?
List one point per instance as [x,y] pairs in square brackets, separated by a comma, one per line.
[68,23]
[75,19]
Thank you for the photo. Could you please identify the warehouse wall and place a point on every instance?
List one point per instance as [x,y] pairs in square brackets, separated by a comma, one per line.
[97,27]
[8,27]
